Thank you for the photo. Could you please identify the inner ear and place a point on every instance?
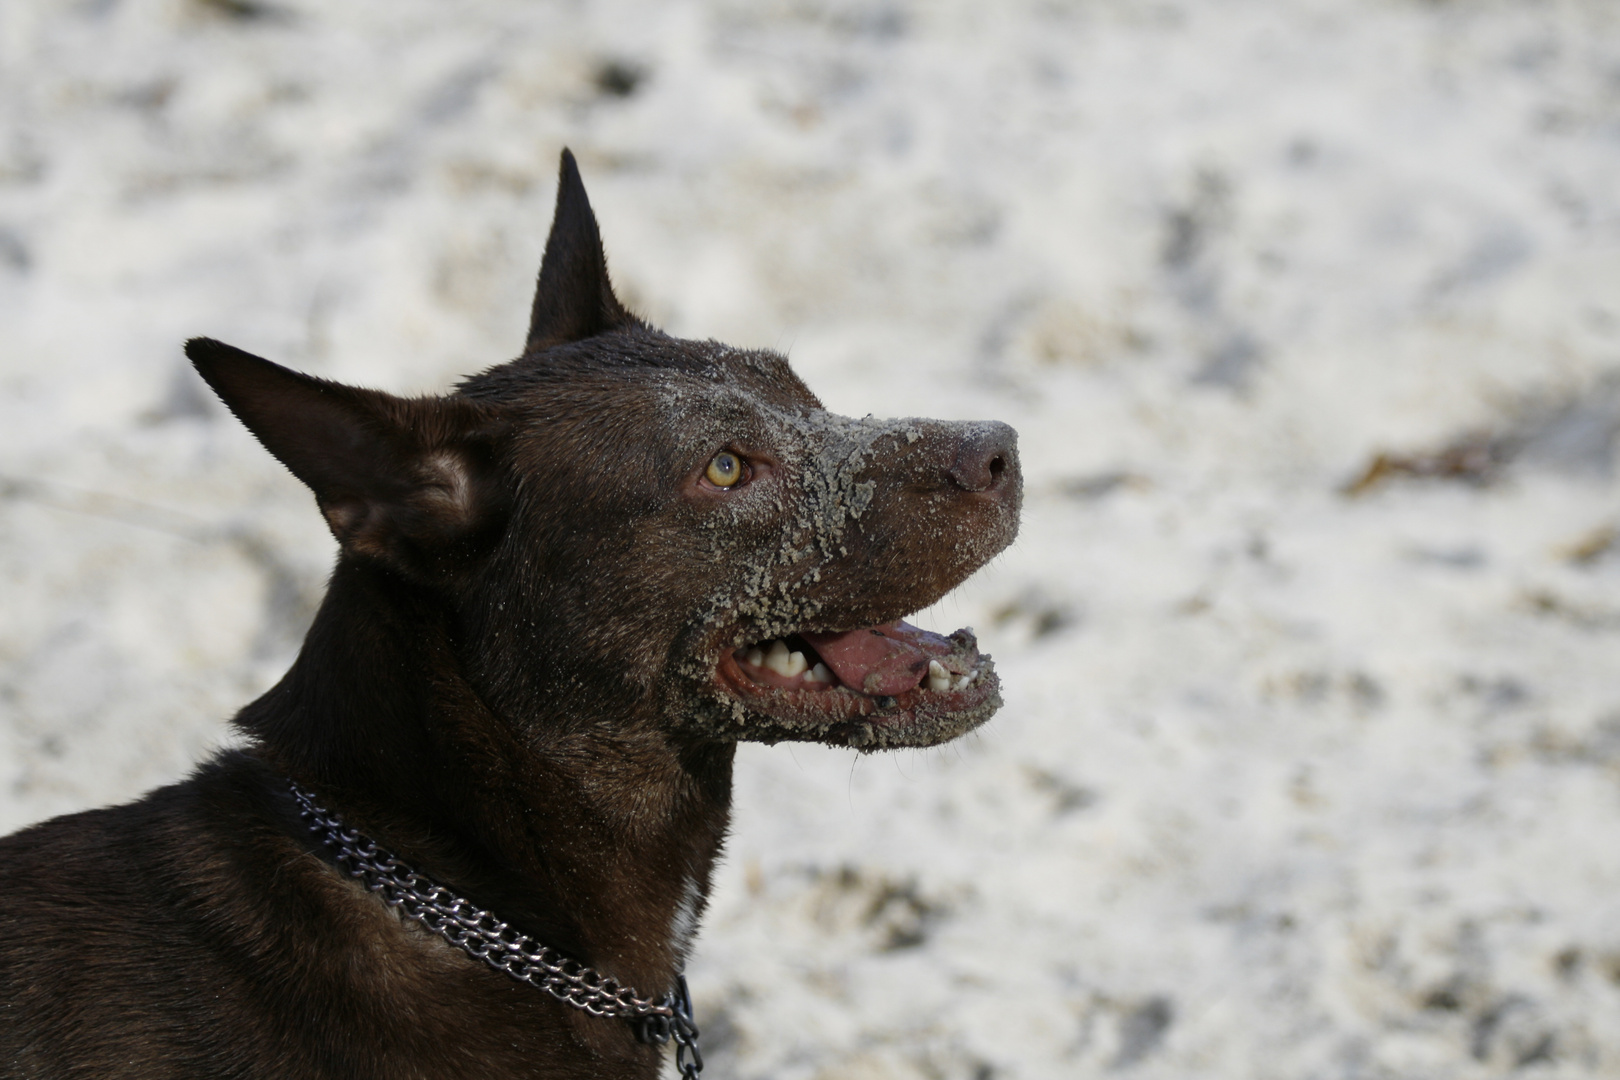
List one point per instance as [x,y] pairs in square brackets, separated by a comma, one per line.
[447,483]
[405,480]
[436,500]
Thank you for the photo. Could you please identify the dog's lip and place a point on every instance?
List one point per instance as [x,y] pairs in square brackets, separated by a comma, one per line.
[893,670]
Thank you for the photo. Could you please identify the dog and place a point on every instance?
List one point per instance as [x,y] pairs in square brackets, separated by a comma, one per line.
[473,828]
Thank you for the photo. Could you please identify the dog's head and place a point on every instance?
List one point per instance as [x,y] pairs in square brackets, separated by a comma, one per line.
[628,526]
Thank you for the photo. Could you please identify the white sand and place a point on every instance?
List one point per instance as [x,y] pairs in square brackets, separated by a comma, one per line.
[1288,784]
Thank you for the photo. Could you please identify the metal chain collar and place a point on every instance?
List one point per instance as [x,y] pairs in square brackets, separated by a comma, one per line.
[479,934]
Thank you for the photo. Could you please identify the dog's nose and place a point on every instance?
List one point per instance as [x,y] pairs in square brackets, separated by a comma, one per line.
[986,453]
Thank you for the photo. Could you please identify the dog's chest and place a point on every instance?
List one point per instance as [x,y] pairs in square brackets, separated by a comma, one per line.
[684,923]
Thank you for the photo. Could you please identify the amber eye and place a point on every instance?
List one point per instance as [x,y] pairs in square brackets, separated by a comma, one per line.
[725,470]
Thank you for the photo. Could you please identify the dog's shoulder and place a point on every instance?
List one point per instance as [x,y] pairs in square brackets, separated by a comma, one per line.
[117,923]
[119,860]
[89,901]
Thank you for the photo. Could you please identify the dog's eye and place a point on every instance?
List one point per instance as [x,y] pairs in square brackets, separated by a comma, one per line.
[725,470]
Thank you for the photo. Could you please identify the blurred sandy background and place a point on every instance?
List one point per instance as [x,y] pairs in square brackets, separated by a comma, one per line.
[1310,764]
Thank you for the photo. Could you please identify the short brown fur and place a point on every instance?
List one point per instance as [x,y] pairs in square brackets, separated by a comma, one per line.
[512,684]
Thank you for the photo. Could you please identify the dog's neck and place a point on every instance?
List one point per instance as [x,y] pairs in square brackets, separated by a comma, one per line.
[596,838]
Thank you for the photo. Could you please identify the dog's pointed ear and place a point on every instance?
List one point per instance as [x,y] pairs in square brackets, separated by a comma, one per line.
[573,299]
[398,479]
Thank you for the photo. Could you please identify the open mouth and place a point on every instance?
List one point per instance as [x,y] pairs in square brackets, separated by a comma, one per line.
[888,685]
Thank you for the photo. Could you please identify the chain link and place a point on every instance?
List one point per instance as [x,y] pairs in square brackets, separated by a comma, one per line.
[479,934]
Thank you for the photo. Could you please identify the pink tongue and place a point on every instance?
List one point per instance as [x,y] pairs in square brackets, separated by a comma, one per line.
[887,659]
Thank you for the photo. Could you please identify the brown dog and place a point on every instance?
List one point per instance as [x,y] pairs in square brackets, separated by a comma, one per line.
[563,594]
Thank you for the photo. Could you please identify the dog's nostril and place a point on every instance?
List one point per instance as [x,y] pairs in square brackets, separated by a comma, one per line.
[983,457]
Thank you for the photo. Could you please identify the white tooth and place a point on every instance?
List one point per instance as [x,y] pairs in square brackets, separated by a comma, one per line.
[938,678]
[963,680]
[776,658]
[756,657]
[820,674]
[797,665]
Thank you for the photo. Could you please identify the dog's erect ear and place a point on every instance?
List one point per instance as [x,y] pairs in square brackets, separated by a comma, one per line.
[398,479]
[573,299]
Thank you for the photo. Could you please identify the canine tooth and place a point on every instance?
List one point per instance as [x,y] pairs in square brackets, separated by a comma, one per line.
[755,657]
[938,678]
[819,674]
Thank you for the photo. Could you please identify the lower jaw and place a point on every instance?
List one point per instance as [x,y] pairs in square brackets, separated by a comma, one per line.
[840,717]
[922,726]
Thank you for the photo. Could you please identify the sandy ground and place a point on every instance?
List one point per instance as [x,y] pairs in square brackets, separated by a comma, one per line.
[1310,764]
